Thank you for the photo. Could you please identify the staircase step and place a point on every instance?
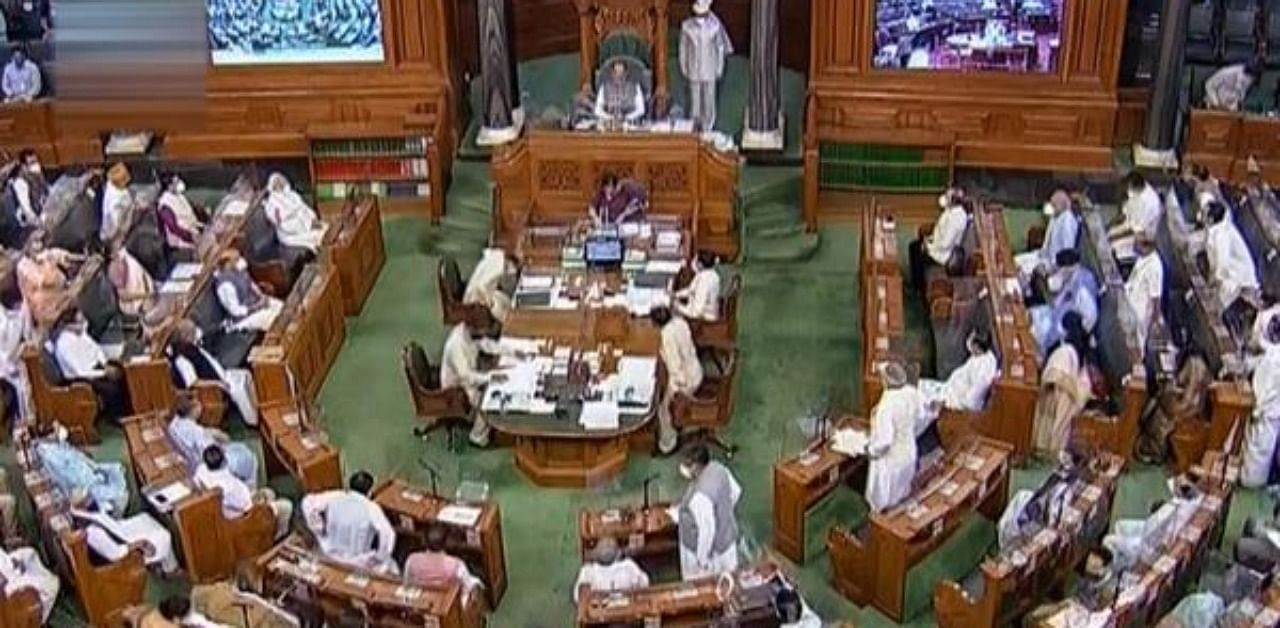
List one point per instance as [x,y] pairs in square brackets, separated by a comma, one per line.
[769,216]
[759,185]
[467,221]
[793,248]
[776,231]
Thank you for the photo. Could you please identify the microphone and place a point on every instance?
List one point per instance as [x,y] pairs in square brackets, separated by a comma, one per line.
[647,482]
[435,476]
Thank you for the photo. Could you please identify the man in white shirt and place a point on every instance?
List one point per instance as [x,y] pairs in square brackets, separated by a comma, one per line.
[1144,288]
[350,528]
[21,78]
[684,371]
[1258,466]
[295,222]
[1227,88]
[941,246]
[117,200]
[247,307]
[619,99]
[1062,233]
[700,300]
[485,285]
[21,569]
[1132,540]
[111,537]
[460,368]
[237,497]
[606,570]
[81,358]
[1140,215]
[705,517]
[891,442]
[29,188]
[192,439]
[966,388]
[1230,262]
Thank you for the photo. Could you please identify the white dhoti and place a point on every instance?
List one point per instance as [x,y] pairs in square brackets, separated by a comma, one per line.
[1259,451]
[726,561]
[260,320]
[238,383]
[310,239]
[109,536]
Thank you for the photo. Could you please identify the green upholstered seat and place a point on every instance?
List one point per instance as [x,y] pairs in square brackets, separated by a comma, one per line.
[953,560]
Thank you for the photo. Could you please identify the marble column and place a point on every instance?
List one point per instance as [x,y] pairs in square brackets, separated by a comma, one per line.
[501,117]
[765,124]
[1162,111]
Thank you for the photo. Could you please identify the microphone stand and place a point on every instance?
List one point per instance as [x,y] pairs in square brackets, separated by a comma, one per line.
[647,482]
[435,477]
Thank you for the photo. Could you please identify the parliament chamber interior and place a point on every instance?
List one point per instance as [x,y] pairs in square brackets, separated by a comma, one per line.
[640,313]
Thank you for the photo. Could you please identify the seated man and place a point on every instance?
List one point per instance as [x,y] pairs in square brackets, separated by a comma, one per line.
[700,300]
[238,496]
[1140,216]
[485,285]
[1231,267]
[117,201]
[684,370]
[29,188]
[111,537]
[81,358]
[1062,233]
[71,469]
[191,363]
[941,247]
[966,388]
[1132,540]
[1227,88]
[246,306]
[1183,399]
[21,78]
[434,567]
[1259,544]
[192,440]
[620,99]
[1029,511]
[21,569]
[1072,288]
[350,528]
[460,367]
[295,222]
[618,201]
[606,570]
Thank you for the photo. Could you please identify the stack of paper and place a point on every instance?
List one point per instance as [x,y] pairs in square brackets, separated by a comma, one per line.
[663,267]
[465,516]
[849,442]
[599,415]
[636,377]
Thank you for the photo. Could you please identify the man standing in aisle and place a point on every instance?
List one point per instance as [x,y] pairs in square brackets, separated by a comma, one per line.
[704,45]
[708,526]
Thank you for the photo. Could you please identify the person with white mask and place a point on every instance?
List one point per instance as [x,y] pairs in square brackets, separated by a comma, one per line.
[966,388]
[192,363]
[484,288]
[705,516]
[460,367]
[21,569]
[684,371]
[350,528]
[891,443]
[112,536]
[1062,233]
[1144,288]
[295,222]
[29,188]
[607,571]
[700,300]
[179,220]
[248,309]
[1140,216]
[941,247]
[117,201]
[1231,266]
[1259,465]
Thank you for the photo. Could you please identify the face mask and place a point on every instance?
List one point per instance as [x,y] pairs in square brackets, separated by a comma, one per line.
[242,265]
[179,186]
[944,200]
[1056,281]
[686,472]
[34,167]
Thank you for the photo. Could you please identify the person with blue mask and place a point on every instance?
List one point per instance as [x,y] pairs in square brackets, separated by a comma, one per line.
[1072,288]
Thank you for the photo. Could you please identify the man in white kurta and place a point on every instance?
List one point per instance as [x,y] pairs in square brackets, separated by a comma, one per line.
[238,498]
[194,363]
[607,571]
[15,329]
[1062,233]
[966,388]
[460,368]
[112,537]
[1132,540]
[705,519]
[1141,214]
[1144,288]
[485,285]
[891,445]
[947,234]
[295,222]
[350,527]
[20,569]
[1227,88]
[684,370]
[116,202]
[1230,262]
[704,46]
[246,306]
[1264,427]
[700,300]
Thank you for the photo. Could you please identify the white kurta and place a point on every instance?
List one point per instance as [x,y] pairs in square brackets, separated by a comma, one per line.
[115,201]
[947,234]
[79,356]
[1264,428]
[26,210]
[1230,261]
[21,569]
[1132,539]
[485,286]
[633,113]
[701,297]
[1142,212]
[1143,291]
[1009,532]
[460,364]
[245,320]
[351,529]
[680,357]
[1226,88]
[238,383]
[623,575]
[105,534]
[967,387]
[295,222]
[700,562]
[892,447]
[15,328]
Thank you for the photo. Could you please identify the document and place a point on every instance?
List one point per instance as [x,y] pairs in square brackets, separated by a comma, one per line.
[599,415]
[849,442]
[465,516]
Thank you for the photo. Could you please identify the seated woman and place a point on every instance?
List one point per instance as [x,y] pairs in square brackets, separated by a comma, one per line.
[619,201]
[42,278]
[20,569]
[247,307]
[433,567]
[1065,388]
[110,537]
[295,222]
[191,363]
[81,358]
[191,439]
[135,288]
[965,389]
[620,99]
[72,470]
[179,220]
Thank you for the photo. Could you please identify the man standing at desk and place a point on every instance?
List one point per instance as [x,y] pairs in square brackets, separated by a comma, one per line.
[705,518]
[350,528]
[620,99]
[618,201]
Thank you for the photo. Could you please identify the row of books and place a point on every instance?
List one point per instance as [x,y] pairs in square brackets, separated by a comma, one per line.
[337,190]
[371,168]
[407,146]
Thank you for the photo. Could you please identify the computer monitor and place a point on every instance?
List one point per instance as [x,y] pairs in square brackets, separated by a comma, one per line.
[603,252]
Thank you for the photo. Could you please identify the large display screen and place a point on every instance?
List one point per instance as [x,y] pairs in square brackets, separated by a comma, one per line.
[1020,36]
[245,32]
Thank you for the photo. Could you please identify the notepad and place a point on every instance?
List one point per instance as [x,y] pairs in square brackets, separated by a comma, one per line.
[464,516]
[599,415]
[849,442]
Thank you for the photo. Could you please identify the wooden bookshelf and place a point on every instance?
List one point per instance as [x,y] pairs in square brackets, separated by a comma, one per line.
[395,168]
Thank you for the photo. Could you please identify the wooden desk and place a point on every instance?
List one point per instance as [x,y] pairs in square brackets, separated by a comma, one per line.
[211,544]
[341,592]
[29,125]
[20,609]
[802,481]
[304,340]
[881,288]
[648,535]
[413,511]
[1223,141]
[873,567]
[554,175]
[685,604]
[1014,581]
[292,445]
[354,245]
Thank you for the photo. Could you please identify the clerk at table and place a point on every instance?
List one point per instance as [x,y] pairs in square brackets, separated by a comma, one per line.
[618,201]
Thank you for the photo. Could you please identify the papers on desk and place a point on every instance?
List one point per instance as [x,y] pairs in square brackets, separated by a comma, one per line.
[536,282]
[663,267]
[635,383]
[641,300]
[599,415]
[175,287]
[518,393]
[164,498]
[849,442]
[185,271]
[464,516]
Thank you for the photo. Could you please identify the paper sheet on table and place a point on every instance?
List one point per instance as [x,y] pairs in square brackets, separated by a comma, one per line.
[629,230]
[175,287]
[185,271]
[663,266]
[636,377]
[536,282]
[165,498]
[510,344]
[849,442]
[465,516]
[641,300]
[599,415]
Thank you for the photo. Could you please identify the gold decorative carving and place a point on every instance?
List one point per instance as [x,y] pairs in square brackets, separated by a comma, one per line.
[559,174]
[668,177]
